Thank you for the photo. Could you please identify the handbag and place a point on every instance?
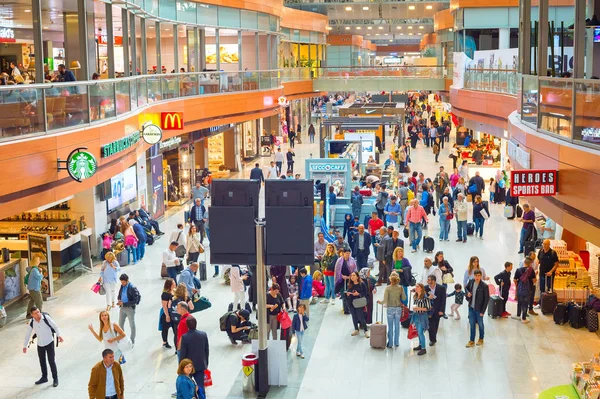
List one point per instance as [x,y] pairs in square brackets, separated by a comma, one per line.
[102,291]
[284,319]
[359,302]
[200,303]
[484,214]
[96,288]
[448,278]
[412,332]
[180,251]
[405,314]
[450,216]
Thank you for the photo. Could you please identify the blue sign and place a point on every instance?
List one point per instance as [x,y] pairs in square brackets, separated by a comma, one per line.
[327,167]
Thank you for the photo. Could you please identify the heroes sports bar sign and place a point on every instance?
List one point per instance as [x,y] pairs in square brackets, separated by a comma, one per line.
[533,183]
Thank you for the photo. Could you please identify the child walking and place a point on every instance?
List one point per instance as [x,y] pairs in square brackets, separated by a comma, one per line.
[459,296]
[503,281]
[292,300]
[299,326]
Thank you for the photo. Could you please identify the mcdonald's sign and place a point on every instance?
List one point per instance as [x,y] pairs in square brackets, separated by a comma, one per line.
[171,120]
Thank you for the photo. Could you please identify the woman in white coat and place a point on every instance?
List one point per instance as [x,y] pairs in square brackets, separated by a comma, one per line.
[109,276]
[237,287]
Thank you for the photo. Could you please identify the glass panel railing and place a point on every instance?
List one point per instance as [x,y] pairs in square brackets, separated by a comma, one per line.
[231,81]
[123,97]
[530,101]
[555,106]
[492,80]
[251,81]
[69,107]
[209,83]
[188,85]
[587,109]
[422,72]
[142,91]
[170,86]
[153,89]
[102,101]
[21,111]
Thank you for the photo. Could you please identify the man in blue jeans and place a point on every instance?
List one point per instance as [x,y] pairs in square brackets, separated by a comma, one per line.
[528,221]
[461,212]
[478,296]
[171,260]
[414,216]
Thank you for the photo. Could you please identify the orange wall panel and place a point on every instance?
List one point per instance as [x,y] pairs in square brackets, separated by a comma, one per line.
[498,106]
[401,48]
[443,19]
[304,20]
[428,39]
[298,87]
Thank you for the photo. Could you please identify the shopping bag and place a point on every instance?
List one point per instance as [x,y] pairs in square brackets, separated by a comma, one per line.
[207,378]
[96,288]
[284,319]
[412,332]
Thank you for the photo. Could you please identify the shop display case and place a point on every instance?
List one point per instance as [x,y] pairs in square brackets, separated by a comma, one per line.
[216,155]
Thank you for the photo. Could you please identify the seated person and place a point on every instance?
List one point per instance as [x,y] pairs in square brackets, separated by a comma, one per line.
[238,325]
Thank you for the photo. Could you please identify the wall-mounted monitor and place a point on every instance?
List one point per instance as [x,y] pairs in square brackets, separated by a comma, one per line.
[124,189]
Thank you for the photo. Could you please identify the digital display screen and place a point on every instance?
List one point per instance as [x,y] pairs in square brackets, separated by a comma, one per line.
[124,189]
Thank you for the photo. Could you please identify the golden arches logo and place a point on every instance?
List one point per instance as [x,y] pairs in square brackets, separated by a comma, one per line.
[171,120]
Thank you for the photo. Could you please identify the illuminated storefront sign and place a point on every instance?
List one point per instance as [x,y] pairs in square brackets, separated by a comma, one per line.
[110,149]
[7,35]
[171,120]
[533,183]
[327,167]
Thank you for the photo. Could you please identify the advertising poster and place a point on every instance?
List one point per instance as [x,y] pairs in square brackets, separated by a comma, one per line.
[142,181]
[228,54]
[124,188]
[458,80]
[41,255]
[158,192]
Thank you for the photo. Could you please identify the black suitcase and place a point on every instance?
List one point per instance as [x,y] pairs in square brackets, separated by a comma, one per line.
[470,229]
[561,313]
[202,271]
[548,300]
[577,316]
[519,211]
[528,247]
[495,306]
[149,239]
[428,244]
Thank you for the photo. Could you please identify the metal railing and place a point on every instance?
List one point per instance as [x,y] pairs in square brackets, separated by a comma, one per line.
[493,80]
[41,108]
[392,72]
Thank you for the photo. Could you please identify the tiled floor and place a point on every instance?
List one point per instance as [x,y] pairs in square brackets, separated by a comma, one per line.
[517,361]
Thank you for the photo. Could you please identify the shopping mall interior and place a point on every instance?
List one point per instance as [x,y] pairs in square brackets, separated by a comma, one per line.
[112,107]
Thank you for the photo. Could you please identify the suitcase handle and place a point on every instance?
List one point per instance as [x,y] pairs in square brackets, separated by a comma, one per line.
[377,313]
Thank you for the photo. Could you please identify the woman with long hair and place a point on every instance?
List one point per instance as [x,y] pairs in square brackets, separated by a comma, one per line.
[193,244]
[166,317]
[130,240]
[473,265]
[357,290]
[393,297]
[443,265]
[402,266]
[365,276]
[328,265]
[420,318]
[109,273]
[109,333]
[274,307]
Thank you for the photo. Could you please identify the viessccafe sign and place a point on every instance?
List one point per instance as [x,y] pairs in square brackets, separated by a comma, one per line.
[531,183]
[110,149]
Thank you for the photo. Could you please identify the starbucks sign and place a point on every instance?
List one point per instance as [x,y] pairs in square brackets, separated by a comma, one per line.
[81,165]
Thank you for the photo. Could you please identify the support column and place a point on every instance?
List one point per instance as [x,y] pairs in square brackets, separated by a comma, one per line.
[257,41]
[240,52]
[269,52]
[504,38]
[125,33]
[579,60]
[143,48]
[542,39]
[133,42]
[79,39]
[110,40]
[218,50]
[36,11]
[158,49]
[525,37]
[202,49]
[176,48]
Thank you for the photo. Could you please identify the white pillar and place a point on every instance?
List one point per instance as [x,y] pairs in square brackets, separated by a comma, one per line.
[504,38]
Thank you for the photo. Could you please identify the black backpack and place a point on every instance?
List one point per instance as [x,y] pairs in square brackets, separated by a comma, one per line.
[34,337]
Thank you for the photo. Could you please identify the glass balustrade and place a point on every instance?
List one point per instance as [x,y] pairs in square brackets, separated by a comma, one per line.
[492,80]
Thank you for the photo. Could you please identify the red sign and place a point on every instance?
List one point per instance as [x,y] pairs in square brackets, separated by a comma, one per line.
[117,40]
[171,120]
[533,183]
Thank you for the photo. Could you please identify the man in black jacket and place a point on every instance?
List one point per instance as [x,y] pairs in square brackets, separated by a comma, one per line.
[145,217]
[388,245]
[478,296]
[361,247]
[129,297]
[197,217]
[194,346]
[479,184]
[257,174]
[437,295]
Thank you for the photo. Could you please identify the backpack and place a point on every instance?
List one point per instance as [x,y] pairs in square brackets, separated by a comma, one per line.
[473,188]
[410,195]
[523,288]
[136,297]
[223,321]
[33,338]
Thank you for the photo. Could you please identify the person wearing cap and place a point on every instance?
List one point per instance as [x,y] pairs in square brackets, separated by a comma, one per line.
[238,325]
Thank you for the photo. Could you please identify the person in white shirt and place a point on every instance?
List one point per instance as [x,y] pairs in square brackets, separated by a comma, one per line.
[43,325]
[428,270]
[272,174]
[178,235]
[237,287]
[279,158]
[171,260]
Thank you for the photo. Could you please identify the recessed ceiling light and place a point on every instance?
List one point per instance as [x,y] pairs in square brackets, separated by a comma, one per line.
[358,28]
[167,29]
[376,34]
[429,7]
[347,28]
[410,34]
[329,28]
[45,27]
[410,27]
[151,27]
[398,27]
[27,10]
[348,8]
[450,29]
[381,27]
[369,27]
[365,8]
[391,40]
[421,27]
[411,7]
[401,34]
[420,33]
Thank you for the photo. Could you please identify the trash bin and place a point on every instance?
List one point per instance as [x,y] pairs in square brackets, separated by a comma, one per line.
[249,362]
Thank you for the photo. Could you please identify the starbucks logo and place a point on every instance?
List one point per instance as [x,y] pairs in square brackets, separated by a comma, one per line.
[81,165]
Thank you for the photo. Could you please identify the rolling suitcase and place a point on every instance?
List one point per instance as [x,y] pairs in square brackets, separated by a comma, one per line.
[577,314]
[202,271]
[528,246]
[470,229]
[548,300]
[495,306]
[592,320]
[428,244]
[519,211]
[163,271]
[378,330]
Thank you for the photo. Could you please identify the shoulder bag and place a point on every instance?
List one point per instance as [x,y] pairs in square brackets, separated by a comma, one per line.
[180,251]
[359,302]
